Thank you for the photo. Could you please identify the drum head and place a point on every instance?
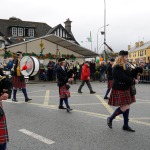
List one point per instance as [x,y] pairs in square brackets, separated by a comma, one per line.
[29,66]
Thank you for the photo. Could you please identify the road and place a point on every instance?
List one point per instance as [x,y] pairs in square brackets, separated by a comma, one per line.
[40,125]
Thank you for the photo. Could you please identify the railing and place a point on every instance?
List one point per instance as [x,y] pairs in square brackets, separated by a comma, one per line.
[145,76]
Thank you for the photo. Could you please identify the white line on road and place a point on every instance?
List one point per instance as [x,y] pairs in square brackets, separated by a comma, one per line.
[46,100]
[36,136]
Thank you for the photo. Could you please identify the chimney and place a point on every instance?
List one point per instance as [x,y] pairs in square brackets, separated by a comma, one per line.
[137,44]
[129,47]
[68,25]
[141,43]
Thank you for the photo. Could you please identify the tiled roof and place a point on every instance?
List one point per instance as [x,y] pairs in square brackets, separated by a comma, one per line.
[146,45]
[40,28]
[70,35]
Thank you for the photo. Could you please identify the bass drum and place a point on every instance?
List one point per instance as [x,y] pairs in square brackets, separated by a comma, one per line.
[29,66]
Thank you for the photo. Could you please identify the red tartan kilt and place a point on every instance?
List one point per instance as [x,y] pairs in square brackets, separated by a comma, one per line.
[3,131]
[63,92]
[17,83]
[110,82]
[121,97]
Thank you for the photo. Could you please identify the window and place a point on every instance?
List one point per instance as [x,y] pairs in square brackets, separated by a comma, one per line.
[61,32]
[20,31]
[14,31]
[31,32]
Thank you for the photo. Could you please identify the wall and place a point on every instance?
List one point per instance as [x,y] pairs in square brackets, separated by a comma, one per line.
[50,47]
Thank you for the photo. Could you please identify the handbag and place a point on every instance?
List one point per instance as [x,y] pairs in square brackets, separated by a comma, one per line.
[67,86]
[133,90]
[1,112]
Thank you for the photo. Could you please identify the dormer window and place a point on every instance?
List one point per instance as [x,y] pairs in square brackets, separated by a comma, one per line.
[20,31]
[14,31]
[31,32]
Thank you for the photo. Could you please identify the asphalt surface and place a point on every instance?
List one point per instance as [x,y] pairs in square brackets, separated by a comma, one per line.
[40,125]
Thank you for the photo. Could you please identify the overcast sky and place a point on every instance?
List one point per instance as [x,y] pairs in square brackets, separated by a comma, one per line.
[128,19]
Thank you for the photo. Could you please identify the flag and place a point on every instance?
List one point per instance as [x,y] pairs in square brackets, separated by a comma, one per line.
[89,38]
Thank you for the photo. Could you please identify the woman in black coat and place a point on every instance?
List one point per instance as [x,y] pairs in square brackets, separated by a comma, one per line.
[121,94]
[63,84]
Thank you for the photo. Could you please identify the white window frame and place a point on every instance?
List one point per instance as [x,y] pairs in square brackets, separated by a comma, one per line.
[31,32]
[20,31]
[14,31]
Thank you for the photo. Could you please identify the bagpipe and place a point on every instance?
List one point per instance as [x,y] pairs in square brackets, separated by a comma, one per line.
[135,71]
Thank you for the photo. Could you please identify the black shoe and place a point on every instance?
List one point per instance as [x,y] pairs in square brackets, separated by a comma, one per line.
[127,128]
[27,100]
[79,91]
[61,107]
[92,92]
[14,100]
[109,123]
[106,98]
[69,109]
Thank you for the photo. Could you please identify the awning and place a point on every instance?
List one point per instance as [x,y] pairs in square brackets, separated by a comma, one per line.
[64,43]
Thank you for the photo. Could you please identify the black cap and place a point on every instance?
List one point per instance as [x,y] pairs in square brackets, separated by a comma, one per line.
[18,53]
[112,59]
[61,59]
[123,53]
[87,62]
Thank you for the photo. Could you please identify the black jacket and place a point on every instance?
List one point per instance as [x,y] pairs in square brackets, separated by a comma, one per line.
[109,72]
[62,76]
[122,79]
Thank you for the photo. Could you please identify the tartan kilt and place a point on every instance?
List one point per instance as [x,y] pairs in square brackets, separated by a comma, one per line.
[18,83]
[121,97]
[3,130]
[110,83]
[63,92]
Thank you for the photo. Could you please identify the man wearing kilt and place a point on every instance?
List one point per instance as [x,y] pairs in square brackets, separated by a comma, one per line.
[63,86]
[3,126]
[121,94]
[18,79]
[109,77]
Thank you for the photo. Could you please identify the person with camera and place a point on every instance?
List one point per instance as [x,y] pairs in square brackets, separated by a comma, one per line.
[63,84]
[3,125]
[122,94]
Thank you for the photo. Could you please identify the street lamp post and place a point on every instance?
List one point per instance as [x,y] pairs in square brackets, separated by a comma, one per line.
[97,34]
[104,28]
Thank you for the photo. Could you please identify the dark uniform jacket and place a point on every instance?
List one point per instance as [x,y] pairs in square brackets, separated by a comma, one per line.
[62,76]
[122,79]
[15,66]
[109,72]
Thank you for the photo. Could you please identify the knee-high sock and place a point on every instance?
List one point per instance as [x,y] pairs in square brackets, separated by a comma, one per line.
[25,93]
[61,102]
[14,93]
[126,117]
[107,92]
[66,102]
[116,113]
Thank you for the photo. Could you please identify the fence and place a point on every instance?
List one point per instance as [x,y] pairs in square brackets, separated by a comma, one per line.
[145,76]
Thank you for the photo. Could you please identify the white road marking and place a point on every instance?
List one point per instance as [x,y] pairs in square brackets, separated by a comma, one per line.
[46,100]
[36,136]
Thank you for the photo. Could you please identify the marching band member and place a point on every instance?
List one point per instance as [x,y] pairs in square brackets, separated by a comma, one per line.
[63,86]
[18,79]
[109,77]
[3,125]
[121,93]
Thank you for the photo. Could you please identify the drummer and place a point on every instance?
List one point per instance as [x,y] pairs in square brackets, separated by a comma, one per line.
[18,79]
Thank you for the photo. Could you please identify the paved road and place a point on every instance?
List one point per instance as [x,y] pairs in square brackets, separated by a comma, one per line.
[39,125]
